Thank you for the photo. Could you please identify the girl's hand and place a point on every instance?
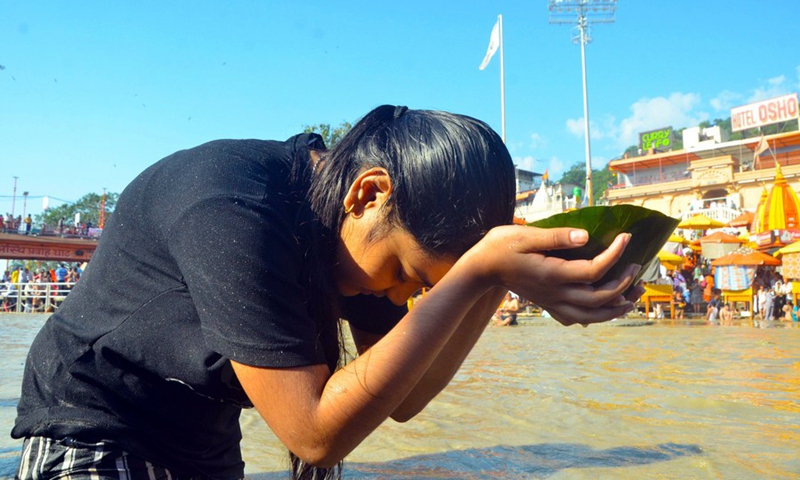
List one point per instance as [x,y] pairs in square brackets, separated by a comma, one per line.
[515,257]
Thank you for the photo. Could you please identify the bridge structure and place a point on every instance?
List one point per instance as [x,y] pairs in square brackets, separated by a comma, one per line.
[49,248]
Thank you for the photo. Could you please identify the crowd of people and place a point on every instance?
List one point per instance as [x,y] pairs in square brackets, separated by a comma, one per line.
[40,289]
[11,224]
[24,225]
[774,297]
[694,294]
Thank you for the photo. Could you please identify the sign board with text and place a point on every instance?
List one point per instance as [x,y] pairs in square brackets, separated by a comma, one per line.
[766,112]
[24,247]
[660,139]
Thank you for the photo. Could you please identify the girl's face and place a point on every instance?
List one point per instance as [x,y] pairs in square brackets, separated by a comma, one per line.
[392,266]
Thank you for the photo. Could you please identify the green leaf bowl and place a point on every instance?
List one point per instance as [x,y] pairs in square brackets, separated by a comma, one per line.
[649,231]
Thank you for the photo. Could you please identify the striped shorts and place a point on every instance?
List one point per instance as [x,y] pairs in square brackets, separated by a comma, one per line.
[69,459]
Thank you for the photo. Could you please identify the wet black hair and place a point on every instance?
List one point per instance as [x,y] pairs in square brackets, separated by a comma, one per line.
[453,178]
[453,181]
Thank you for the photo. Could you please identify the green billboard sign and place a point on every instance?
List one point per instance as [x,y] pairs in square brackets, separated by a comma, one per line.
[660,139]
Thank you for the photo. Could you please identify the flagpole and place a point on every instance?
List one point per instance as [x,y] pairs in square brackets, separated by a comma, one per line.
[502,82]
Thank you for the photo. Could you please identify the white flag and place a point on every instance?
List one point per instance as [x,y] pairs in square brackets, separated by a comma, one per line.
[494,43]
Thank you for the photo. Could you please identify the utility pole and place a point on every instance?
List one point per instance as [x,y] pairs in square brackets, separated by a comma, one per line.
[583,13]
[14,197]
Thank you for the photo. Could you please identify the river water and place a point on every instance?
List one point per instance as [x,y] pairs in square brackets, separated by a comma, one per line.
[683,400]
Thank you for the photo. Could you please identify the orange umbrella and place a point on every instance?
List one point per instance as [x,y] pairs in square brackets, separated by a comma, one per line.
[720,237]
[747,257]
[719,244]
[743,220]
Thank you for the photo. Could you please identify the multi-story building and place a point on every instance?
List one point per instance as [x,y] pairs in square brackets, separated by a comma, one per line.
[711,175]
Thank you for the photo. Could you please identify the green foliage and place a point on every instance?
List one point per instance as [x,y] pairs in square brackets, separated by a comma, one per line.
[631,151]
[331,135]
[601,179]
[88,206]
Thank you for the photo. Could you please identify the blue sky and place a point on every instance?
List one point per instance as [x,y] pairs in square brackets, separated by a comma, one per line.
[92,92]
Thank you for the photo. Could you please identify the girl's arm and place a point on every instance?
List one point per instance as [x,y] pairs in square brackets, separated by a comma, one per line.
[321,417]
[450,358]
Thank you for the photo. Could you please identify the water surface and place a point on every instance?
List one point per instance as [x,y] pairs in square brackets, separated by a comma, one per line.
[544,401]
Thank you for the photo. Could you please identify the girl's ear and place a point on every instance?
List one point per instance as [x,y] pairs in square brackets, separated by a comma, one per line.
[371,189]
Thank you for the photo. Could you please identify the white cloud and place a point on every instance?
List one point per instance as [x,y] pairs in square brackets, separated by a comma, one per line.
[555,168]
[798,78]
[775,87]
[537,141]
[576,126]
[525,163]
[677,110]
[605,128]
[725,101]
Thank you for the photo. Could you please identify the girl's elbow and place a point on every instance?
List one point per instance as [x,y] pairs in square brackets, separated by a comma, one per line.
[320,456]
[405,413]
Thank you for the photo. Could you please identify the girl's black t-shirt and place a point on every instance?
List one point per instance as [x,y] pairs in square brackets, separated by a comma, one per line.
[200,263]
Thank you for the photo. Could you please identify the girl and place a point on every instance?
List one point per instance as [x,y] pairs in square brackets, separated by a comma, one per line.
[221,278]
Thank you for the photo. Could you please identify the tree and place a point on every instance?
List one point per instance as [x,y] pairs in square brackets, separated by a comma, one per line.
[576,175]
[88,206]
[331,136]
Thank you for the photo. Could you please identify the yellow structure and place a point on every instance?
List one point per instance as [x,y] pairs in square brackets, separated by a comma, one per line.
[718,180]
[781,207]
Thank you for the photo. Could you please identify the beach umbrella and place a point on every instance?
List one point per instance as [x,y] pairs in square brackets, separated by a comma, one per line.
[669,259]
[700,222]
[746,256]
[743,220]
[675,238]
[720,237]
[675,244]
[719,244]
[793,247]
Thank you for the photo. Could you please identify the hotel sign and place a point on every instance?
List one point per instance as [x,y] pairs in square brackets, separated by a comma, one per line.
[759,114]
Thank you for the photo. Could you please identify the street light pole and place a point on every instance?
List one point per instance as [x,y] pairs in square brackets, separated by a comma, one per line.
[588,11]
[584,38]
[14,197]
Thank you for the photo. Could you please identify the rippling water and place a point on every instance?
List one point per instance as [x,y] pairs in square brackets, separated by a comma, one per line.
[544,401]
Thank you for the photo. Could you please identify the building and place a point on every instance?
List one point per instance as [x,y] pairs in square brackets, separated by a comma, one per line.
[537,198]
[719,180]
[711,175]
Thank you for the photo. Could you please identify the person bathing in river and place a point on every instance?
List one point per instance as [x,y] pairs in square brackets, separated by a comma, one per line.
[242,256]
[506,315]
